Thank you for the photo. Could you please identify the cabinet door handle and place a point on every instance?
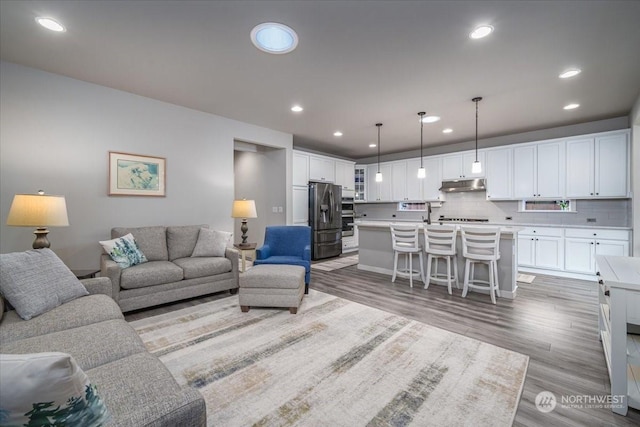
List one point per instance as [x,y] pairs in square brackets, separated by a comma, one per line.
[597,243]
[597,194]
[591,194]
[600,282]
[592,243]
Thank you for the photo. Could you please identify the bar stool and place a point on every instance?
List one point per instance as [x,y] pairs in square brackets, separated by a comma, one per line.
[480,246]
[404,239]
[440,243]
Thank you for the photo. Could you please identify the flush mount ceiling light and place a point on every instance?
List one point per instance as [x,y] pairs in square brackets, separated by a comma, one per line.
[430,119]
[378,174]
[570,73]
[571,106]
[476,167]
[481,31]
[422,173]
[337,133]
[296,108]
[272,37]
[447,130]
[51,24]
[373,145]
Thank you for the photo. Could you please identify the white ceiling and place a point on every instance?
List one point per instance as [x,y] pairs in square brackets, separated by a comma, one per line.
[357,62]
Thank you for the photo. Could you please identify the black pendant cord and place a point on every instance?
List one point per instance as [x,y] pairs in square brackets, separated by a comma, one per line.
[476,100]
[378,125]
[421,114]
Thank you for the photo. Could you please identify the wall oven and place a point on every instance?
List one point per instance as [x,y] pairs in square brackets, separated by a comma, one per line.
[347,216]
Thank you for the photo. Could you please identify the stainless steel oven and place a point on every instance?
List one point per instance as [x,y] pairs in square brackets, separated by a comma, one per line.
[347,216]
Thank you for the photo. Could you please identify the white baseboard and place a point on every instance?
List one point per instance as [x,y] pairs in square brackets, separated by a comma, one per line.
[557,273]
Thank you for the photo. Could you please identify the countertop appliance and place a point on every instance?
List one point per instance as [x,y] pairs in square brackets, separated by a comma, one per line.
[325,219]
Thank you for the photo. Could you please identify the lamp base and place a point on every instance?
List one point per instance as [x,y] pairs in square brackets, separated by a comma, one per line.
[244,230]
[41,238]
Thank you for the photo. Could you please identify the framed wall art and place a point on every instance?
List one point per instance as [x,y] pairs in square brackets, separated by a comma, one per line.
[136,175]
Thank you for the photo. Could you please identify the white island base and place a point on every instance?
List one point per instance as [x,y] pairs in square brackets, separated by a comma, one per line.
[376,254]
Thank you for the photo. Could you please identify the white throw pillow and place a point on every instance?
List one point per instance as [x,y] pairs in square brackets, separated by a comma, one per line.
[37,281]
[211,243]
[124,251]
[47,389]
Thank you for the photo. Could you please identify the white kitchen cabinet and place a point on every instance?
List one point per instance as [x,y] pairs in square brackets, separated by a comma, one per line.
[458,166]
[582,246]
[538,170]
[597,166]
[379,191]
[399,180]
[322,169]
[541,247]
[300,205]
[405,184]
[415,185]
[345,175]
[300,168]
[433,181]
[499,174]
[360,178]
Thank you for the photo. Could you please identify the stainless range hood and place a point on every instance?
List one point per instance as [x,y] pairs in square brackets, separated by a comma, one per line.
[460,185]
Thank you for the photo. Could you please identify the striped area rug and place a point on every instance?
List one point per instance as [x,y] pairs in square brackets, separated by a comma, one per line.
[335,363]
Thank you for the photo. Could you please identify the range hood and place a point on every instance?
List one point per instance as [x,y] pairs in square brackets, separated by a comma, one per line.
[460,185]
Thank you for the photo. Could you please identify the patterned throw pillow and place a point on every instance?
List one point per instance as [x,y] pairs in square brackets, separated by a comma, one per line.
[124,251]
[211,243]
[48,389]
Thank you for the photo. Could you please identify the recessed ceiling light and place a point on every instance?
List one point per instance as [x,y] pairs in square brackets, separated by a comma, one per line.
[275,38]
[430,119]
[337,133]
[481,31]
[51,24]
[571,106]
[570,73]
[373,145]
[296,108]
[447,130]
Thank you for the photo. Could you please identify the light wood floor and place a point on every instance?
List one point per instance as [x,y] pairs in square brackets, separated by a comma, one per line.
[553,321]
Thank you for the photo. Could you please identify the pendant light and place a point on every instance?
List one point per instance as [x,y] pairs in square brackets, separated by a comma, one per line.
[422,173]
[476,167]
[378,175]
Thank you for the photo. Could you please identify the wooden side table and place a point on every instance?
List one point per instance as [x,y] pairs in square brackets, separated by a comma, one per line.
[249,247]
[85,273]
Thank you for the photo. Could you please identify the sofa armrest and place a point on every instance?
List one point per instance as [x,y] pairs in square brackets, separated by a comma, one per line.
[263,252]
[98,285]
[233,255]
[307,253]
[110,269]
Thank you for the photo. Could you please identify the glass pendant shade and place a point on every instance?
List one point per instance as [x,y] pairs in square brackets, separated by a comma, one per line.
[476,167]
[378,177]
[378,174]
[422,173]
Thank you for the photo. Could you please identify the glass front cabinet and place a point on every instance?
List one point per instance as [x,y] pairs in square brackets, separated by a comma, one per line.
[360,183]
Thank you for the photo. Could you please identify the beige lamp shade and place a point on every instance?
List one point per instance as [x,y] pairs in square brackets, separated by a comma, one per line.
[36,210]
[244,209]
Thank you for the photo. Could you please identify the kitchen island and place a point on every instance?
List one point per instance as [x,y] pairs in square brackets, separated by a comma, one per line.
[376,254]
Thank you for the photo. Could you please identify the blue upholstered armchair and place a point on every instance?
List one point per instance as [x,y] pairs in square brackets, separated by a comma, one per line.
[287,244]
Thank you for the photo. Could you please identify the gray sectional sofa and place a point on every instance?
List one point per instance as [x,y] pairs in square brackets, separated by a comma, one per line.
[136,387]
[170,274]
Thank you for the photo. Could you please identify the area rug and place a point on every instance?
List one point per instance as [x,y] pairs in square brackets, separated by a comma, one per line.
[335,363]
[336,263]
[525,278]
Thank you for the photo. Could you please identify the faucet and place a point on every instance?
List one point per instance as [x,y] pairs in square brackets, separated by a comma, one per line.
[428,220]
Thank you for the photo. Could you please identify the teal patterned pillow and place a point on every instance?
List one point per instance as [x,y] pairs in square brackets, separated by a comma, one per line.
[124,251]
[48,389]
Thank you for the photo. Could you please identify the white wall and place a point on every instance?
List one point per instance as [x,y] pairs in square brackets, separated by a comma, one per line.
[635,174]
[55,135]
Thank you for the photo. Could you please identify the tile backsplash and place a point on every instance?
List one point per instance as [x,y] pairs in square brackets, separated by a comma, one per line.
[609,213]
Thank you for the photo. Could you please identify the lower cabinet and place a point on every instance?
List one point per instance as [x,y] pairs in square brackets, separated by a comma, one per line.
[582,246]
[541,247]
[300,205]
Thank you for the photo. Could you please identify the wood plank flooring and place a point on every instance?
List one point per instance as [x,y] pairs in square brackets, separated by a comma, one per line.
[553,321]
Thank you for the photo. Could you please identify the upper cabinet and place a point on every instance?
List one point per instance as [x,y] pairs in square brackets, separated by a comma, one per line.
[458,166]
[598,166]
[538,170]
[379,191]
[345,174]
[499,172]
[360,174]
[322,168]
[300,168]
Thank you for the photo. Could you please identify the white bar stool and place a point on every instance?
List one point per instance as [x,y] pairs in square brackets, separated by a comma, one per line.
[480,246]
[404,239]
[440,242]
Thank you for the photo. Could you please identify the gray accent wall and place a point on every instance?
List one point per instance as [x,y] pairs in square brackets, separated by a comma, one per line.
[55,135]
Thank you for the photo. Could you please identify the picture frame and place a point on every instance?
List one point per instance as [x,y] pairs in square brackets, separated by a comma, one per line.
[136,175]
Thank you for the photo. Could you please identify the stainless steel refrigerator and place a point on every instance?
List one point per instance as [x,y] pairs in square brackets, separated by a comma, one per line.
[325,219]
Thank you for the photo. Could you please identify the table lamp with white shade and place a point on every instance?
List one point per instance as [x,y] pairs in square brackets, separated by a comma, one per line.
[244,209]
[40,211]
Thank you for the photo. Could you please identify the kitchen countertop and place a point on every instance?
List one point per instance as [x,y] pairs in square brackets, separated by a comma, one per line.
[504,229]
[497,223]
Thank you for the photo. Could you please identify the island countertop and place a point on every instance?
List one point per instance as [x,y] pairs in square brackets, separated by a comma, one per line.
[510,231]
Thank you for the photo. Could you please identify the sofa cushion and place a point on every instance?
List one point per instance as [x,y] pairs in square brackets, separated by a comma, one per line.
[152,241]
[76,313]
[182,239]
[124,251]
[292,260]
[149,274]
[144,393]
[36,281]
[211,243]
[52,383]
[202,267]
[91,345]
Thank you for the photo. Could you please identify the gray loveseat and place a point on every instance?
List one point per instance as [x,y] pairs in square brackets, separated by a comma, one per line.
[136,387]
[170,274]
